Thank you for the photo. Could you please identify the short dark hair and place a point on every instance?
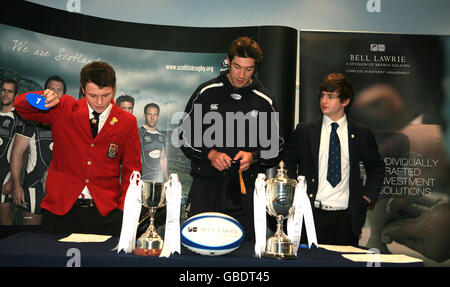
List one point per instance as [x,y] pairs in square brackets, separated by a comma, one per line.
[125,98]
[340,83]
[11,81]
[245,47]
[99,73]
[80,93]
[58,79]
[150,106]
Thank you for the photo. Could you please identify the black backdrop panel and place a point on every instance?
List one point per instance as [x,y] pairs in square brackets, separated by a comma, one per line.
[279,44]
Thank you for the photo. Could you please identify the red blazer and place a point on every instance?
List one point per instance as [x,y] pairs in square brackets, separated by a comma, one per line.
[104,164]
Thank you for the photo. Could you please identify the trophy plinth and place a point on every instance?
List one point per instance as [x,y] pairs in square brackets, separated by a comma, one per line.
[153,197]
[280,192]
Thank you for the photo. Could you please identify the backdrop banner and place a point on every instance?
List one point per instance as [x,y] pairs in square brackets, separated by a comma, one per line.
[153,63]
[399,94]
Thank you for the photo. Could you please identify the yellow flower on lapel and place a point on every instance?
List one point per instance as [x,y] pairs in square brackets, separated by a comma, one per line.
[113,121]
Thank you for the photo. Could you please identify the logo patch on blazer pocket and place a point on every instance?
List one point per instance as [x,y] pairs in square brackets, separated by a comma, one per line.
[113,150]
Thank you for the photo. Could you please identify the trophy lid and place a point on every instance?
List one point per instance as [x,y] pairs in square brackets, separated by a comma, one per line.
[282,176]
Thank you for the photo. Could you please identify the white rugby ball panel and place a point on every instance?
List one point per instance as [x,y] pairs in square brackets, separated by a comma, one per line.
[212,233]
[210,252]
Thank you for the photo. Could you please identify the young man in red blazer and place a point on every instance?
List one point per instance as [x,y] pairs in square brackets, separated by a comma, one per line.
[96,148]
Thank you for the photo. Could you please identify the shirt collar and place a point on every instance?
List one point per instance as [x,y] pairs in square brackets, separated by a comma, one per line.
[12,110]
[103,115]
[327,121]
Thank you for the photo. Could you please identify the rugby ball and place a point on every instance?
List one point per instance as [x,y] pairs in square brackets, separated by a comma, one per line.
[211,233]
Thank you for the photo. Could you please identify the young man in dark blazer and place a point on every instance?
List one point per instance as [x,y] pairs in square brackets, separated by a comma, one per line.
[330,152]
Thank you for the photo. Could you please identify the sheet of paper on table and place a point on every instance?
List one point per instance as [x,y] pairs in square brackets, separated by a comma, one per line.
[84,238]
[383,258]
[344,249]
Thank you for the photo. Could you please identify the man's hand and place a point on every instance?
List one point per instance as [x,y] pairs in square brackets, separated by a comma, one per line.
[51,98]
[7,187]
[246,159]
[219,160]
[18,195]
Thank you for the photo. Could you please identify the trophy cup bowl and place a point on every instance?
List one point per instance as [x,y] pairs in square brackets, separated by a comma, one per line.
[153,197]
[280,192]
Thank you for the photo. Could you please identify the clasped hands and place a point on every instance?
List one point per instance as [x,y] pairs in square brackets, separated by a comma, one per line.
[221,161]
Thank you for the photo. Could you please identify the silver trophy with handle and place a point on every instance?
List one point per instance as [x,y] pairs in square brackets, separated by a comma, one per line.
[280,192]
[150,242]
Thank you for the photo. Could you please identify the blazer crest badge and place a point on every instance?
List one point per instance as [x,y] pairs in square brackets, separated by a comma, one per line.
[113,150]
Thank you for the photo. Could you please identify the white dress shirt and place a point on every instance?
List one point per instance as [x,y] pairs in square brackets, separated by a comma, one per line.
[102,119]
[336,197]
